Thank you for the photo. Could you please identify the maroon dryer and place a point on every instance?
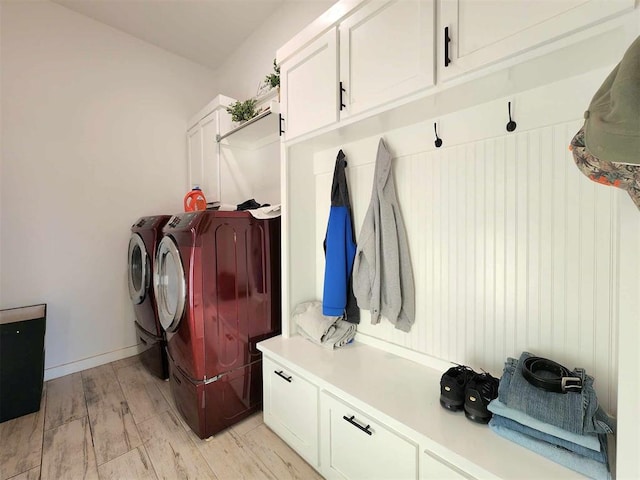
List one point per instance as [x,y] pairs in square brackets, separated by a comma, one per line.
[145,237]
[217,282]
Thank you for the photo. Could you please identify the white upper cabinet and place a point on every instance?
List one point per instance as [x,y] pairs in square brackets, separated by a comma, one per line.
[195,154]
[386,52]
[203,158]
[210,180]
[359,55]
[475,33]
[202,148]
[309,96]
[203,164]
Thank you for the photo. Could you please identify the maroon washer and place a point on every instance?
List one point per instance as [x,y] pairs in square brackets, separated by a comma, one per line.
[145,237]
[218,287]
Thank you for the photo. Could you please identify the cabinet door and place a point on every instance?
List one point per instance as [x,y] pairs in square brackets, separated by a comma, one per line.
[433,468]
[386,52]
[210,162]
[204,162]
[194,143]
[483,32]
[291,408]
[356,446]
[309,95]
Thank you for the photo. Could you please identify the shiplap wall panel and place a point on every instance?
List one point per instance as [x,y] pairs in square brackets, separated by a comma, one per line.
[512,247]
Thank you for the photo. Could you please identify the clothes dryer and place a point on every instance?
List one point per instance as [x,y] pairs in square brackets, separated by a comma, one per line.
[145,237]
[217,282]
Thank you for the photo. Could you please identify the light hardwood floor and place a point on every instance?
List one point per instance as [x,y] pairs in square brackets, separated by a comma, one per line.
[117,421]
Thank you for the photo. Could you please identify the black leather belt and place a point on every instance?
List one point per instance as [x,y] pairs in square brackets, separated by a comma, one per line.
[557,378]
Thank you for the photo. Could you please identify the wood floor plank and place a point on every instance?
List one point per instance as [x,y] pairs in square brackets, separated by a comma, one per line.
[165,388]
[33,474]
[141,391]
[172,453]
[230,458]
[134,464]
[277,456]
[65,401]
[21,442]
[68,452]
[248,423]
[112,425]
[125,362]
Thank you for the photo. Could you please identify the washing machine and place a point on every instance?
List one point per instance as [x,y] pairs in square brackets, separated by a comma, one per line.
[217,282]
[146,234]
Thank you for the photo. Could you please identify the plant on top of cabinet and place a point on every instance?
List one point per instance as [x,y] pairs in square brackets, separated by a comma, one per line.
[273,79]
[243,111]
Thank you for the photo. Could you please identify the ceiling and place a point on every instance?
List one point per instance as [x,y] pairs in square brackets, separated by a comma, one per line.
[205,31]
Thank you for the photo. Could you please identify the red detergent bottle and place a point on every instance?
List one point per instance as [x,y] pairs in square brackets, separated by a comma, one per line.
[195,200]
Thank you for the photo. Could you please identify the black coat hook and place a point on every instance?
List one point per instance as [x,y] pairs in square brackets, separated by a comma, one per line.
[511,126]
[438,142]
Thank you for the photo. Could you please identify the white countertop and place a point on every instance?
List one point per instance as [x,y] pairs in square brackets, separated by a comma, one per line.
[409,393]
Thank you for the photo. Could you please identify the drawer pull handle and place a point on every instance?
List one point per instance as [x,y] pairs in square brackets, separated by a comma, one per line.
[178,381]
[447,60]
[282,375]
[356,424]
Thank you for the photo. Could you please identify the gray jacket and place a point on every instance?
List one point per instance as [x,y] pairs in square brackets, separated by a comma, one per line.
[382,273]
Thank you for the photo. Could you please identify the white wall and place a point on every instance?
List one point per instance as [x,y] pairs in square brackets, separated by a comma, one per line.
[93,136]
[240,75]
[256,174]
[250,174]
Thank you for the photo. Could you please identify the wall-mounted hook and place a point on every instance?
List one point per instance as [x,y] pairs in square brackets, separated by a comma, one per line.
[511,126]
[438,142]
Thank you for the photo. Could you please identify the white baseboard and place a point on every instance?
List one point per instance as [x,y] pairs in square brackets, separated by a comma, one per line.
[73,367]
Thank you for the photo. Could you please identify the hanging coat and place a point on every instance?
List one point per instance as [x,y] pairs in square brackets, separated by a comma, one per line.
[340,250]
[382,272]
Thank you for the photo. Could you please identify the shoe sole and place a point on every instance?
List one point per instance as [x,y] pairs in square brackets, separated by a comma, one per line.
[476,416]
[449,405]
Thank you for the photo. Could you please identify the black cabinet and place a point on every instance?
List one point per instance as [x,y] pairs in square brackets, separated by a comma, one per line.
[21,360]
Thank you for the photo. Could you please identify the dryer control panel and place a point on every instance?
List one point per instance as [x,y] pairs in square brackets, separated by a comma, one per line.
[181,221]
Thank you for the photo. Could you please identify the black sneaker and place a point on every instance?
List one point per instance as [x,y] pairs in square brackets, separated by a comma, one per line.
[452,387]
[481,389]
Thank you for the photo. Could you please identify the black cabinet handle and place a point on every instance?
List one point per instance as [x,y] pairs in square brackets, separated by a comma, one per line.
[447,61]
[280,120]
[282,375]
[342,90]
[357,425]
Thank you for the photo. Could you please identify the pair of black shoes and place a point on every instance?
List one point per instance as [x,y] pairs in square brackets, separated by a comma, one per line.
[462,388]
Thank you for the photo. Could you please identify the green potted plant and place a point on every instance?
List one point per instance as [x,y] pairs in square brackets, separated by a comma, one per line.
[243,111]
[273,79]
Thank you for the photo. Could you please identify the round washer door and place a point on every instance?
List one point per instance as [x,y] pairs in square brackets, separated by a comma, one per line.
[139,269]
[169,284]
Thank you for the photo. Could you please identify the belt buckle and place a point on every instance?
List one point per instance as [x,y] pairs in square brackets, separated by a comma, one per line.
[571,384]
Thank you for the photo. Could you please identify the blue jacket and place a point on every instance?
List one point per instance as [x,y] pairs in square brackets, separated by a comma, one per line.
[340,250]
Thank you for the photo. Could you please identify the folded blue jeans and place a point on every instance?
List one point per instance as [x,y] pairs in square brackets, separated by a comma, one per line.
[589,440]
[576,412]
[577,463]
[598,456]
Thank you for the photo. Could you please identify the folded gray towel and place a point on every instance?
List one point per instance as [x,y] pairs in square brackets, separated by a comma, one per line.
[309,318]
[344,333]
[328,332]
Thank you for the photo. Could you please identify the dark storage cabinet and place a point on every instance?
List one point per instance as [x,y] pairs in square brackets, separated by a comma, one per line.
[21,360]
